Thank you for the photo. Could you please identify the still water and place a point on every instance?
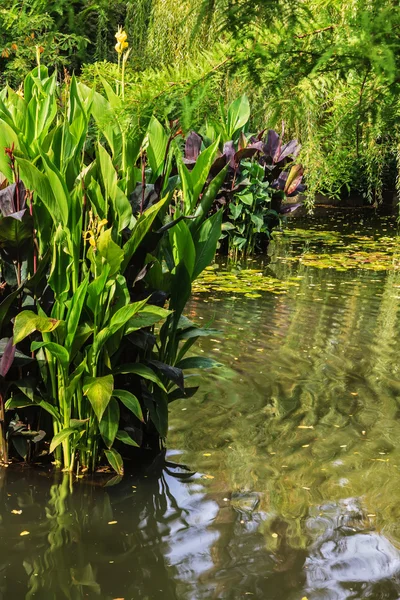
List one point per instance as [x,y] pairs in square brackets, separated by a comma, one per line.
[282,477]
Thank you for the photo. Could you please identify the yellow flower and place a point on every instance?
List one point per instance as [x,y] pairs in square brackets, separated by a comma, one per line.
[20,91]
[121,36]
[121,46]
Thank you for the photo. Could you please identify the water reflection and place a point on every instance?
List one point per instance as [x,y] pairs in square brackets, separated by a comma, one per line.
[294,449]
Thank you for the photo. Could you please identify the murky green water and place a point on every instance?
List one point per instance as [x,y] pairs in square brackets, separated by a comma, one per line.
[294,445]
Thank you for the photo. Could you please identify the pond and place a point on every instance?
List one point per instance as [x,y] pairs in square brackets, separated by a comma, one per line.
[282,477]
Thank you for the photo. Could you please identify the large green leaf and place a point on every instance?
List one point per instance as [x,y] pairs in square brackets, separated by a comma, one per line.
[40,184]
[198,362]
[115,460]
[201,170]
[59,352]
[60,437]
[110,251]
[75,311]
[208,198]
[104,116]
[146,317]
[125,438]
[141,371]
[182,246]
[110,422]
[142,226]
[238,115]
[158,141]
[205,242]
[99,391]
[27,322]
[130,401]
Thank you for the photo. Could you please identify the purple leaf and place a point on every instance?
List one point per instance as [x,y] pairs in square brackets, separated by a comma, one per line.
[8,358]
[8,199]
[218,164]
[291,148]
[289,208]
[280,183]
[229,151]
[248,152]
[192,147]
[273,146]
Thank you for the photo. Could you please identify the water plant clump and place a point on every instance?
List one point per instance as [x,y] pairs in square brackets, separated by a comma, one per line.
[100,245]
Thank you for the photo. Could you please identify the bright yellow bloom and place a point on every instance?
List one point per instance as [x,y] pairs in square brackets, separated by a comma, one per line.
[121,46]
[95,229]
[121,36]
[20,91]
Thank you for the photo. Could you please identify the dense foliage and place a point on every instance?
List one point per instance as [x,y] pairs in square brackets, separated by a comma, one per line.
[94,242]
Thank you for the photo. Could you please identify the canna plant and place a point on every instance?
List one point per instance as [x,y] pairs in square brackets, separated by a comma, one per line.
[97,273]
[256,180]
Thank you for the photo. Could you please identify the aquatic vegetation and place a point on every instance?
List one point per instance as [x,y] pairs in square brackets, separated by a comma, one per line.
[300,248]
[90,264]
[259,175]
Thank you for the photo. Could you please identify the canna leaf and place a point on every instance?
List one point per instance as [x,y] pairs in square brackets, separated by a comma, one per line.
[131,402]
[238,115]
[27,322]
[59,352]
[198,362]
[75,311]
[99,391]
[125,438]
[208,198]
[109,424]
[60,437]
[141,371]
[115,460]
[142,226]
[205,242]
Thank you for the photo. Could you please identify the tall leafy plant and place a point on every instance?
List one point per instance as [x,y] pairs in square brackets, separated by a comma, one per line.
[95,364]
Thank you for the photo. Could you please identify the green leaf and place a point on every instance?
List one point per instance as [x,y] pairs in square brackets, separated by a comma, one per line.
[52,410]
[205,242]
[141,371]
[108,172]
[104,116]
[142,226]
[158,141]
[17,401]
[8,139]
[61,437]
[201,170]
[27,322]
[58,187]
[246,199]
[131,402]
[125,438]
[208,198]
[109,424]
[124,314]
[146,317]
[238,115]
[182,246]
[59,352]
[99,391]
[75,311]
[197,362]
[40,184]
[110,251]
[115,460]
